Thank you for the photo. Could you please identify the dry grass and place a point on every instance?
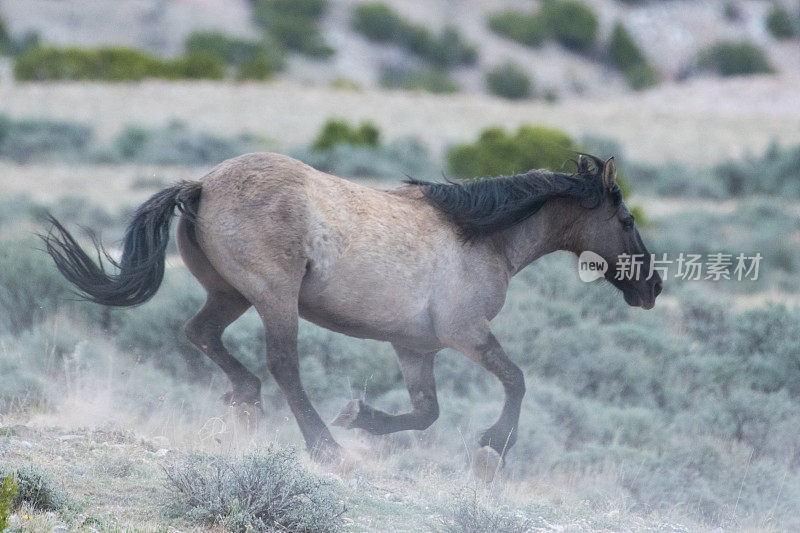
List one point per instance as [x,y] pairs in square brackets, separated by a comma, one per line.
[698,122]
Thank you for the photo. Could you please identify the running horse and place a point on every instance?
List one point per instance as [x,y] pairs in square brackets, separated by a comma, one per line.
[424,267]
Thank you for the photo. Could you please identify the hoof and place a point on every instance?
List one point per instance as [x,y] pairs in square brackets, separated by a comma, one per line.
[348,416]
[486,464]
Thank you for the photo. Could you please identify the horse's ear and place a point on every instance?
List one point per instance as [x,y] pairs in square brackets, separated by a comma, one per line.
[609,173]
[583,164]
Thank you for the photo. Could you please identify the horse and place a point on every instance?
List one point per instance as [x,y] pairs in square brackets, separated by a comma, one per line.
[425,267]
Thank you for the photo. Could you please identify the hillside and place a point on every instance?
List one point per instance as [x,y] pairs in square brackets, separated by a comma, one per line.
[670,33]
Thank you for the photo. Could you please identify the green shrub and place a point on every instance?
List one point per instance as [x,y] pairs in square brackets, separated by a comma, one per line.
[527,29]
[29,140]
[6,45]
[8,494]
[396,160]
[253,60]
[497,152]
[776,172]
[28,41]
[35,488]
[265,492]
[13,47]
[731,11]
[729,58]
[155,330]
[780,24]
[377,22]
[569,22]
[30,287]
[339,131]
[260,66]
[766,339]
[232,50]
[312,9]
[112,64]
[446,51]
[572,23]
[294,24]
[430,80]
[642,76]
[467,513]
[196,65]
[175,144]
[623,52]
[509,81]
[301,35]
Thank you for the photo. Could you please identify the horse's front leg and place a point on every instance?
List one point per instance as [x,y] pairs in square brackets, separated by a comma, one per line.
[417,369]
[503,434]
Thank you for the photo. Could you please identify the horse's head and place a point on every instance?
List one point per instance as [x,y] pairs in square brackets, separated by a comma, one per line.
[610,231]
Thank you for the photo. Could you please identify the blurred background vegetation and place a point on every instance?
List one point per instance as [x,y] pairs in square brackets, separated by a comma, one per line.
[685,416]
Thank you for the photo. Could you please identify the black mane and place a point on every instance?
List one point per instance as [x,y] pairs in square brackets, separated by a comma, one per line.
[485,206]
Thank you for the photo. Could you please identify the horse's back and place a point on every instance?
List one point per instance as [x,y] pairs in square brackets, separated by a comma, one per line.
[363,259]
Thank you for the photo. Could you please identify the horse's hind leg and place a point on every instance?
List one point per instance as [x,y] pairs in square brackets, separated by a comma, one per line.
[205,329]
[417,369]
[279,314]
[224,304]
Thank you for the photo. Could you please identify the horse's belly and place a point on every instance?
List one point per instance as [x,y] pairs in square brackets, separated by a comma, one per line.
[369,315]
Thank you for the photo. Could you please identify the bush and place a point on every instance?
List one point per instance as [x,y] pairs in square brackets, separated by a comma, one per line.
[260,66]
[776,172]
[396,160]
[780,24]
[729,58]
[527,29]
[294,24]
[731,11]
[377,22]
[509,81]
[430,80]
[6,45]
[336,132]
[265,492]
[28,140]
[625,55]
[642,76]
[155,330]
[8,494]
[497,152]
[232,50]
[30,286]
[112,64]
[35,488]
[468,514]
[572,23]
[196,65]
[253,60]
[622,49]
[176,145]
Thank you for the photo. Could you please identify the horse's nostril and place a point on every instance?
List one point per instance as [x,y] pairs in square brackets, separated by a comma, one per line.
[657,288]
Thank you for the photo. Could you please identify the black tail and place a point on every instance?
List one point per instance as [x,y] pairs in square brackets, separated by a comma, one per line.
[141,268]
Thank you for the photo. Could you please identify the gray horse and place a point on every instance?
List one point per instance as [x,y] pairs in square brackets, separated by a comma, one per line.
[424,267]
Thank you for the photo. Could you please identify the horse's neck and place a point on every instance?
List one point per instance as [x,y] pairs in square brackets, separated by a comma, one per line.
[549,230]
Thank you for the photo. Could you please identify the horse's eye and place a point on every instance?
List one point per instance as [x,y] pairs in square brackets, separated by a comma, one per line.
[627,223]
